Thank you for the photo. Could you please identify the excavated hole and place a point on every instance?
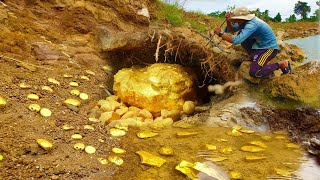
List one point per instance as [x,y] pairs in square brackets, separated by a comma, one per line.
[189,56]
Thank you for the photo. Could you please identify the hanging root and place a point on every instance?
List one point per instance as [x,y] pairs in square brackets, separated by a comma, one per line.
[158,48]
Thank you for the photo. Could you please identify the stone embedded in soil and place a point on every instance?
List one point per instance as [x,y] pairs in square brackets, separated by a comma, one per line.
[116,160]
[53,81]
[107,117]
[246,131]
[146,134]
[1,157]
[33,97]
[292,146]
[252,149]
[103,161]
[45,144]
[84,96]
[72,102]
[79,146]
[47,88]
[34,107]
[144,113]
[76,136]
[117,132]
[185,168]
[150,159]
[166,151]
[234,132]
[186,133]
[24,86]
[75,92]
[254,158]
[118,150]
[73,84]
[107,68]
[45,112]
[93,119]
[173,114]
[90,149]
[189,107]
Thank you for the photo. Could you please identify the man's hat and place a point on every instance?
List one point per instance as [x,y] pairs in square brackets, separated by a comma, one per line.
[242,13]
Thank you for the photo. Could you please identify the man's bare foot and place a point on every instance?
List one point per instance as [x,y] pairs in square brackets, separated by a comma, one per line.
[283,64]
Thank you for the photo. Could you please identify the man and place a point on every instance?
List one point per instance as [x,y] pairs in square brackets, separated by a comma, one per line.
[257,38]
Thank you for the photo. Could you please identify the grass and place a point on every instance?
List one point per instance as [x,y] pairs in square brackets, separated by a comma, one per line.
[175,15]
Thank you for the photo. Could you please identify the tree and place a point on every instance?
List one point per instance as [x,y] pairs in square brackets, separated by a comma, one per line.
[277,18]
[291,18]
[302,8]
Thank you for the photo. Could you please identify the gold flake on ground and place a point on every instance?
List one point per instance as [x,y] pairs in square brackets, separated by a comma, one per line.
[254,158]
[107,68]
[72,102]
[93,119]
[90,149]
[222,140]
[103,161]
[85,78]
[34,107]
[46,145]
[116,160]
[90,72]
[235,133]
[89,127]
[67,76]
[166,151]
[186,133]
[75,92]
[185,168]
[76,136]
[53,81]
[252,149]
[84,96]
[73,84]
[283,172]
[150,159]
[118,150]
[293,146]
[266,138]
[3,102]
[259,143]
[235,175]
[45,112]
[24,86]
[217,159]
[211,147]
[67,127]
[227,150]
[79,146]
[117,132]
[237,127]
[145,134]
[46,88]
[1,157]
[33,97]
[246,131]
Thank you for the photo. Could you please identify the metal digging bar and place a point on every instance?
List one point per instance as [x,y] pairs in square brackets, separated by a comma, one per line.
[208,38]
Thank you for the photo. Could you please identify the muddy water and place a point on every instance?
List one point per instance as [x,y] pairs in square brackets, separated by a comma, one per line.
[278,157]
[310,45]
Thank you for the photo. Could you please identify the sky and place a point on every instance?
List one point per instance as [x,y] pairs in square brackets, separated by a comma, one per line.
[285,7]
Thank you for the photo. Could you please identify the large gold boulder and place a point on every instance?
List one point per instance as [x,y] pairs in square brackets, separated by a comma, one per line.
[156,87]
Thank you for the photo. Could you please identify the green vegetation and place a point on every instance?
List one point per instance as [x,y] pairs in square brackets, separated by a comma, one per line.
[174,14]
[301,8]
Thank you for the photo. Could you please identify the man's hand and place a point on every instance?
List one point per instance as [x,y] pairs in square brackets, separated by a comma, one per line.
[217,31]
[228,15]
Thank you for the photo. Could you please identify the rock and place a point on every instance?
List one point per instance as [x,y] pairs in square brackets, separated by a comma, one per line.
[123,41]
[244,73]
[166,151]
[174,114]
[3,102]
[116,160]
[46,51]
[156,87]
[302,86]
[189,107]
[46,145]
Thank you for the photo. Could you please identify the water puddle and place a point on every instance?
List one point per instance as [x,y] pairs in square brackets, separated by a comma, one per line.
[245,153]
